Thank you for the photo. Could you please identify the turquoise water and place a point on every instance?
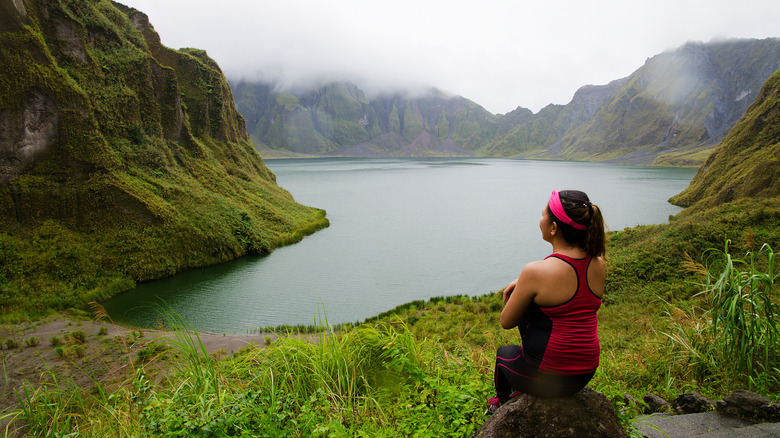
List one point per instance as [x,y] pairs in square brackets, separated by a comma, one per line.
[401,230]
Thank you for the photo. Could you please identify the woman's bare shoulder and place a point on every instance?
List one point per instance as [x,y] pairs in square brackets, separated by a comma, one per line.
[600,262]
[544,267]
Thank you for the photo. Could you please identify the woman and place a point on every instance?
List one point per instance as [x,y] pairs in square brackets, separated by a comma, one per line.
[553,303]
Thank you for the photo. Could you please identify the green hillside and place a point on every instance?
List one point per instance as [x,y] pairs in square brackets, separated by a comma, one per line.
[678,105]
[746,163]
[338,119]
[121,160]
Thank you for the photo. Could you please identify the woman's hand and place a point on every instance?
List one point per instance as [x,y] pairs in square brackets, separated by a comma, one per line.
[509,289]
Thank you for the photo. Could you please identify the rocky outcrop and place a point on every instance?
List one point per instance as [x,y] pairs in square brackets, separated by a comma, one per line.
[749,405]
[587,413]
[655,404]
[691,402]
[741,413]
[742,403]
[13,15]
[27,134]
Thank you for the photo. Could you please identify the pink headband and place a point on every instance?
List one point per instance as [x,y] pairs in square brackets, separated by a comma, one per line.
[557,209]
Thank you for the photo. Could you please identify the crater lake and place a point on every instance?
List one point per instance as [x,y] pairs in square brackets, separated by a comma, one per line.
[400,230]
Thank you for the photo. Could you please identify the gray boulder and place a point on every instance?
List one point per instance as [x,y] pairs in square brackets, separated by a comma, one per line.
[586,413]
[656,404]
[632,404]
[747,404]
[692,403]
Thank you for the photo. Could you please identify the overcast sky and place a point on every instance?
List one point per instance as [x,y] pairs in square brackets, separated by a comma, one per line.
[499,53]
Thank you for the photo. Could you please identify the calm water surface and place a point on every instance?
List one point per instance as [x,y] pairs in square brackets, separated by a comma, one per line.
[401,230]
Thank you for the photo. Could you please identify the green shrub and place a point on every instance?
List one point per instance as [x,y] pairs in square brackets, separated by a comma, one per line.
[745,314]
[136,135]
[32,341]
[55,341]
[11,344]
[151,351]
[78,336]
[78,350]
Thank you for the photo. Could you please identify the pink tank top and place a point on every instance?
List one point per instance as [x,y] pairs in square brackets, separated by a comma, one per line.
[573,344]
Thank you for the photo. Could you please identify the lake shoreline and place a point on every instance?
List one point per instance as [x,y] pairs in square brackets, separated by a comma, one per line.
[400,230]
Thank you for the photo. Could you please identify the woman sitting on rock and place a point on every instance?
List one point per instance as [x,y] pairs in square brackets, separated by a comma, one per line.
[553,303]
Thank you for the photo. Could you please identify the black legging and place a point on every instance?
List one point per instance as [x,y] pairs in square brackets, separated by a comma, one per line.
[515,373]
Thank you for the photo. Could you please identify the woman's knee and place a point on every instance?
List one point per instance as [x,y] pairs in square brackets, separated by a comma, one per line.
[509,351]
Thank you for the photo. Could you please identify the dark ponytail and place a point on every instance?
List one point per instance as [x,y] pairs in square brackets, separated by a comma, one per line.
[593,238]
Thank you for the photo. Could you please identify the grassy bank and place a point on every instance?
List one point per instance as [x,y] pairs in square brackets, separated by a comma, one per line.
[52,267]
[373,380]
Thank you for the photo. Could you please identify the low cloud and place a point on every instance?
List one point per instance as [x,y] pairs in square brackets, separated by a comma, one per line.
[498,53]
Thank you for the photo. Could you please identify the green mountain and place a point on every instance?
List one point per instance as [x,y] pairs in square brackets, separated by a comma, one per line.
[747,163]
[524,132]
[121,160]
[677,107]
[733,202]
[673,110]
[338,119]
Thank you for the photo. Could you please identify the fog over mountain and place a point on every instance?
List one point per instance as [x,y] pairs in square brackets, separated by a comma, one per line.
[673,110]
[499,53]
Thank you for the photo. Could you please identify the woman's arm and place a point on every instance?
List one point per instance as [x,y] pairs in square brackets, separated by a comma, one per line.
[519,295]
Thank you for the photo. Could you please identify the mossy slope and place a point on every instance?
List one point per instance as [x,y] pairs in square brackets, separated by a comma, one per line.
[121,160]
[746,164]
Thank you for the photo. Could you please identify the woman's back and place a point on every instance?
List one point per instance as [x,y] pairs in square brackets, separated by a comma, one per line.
[561,334]
[560,280]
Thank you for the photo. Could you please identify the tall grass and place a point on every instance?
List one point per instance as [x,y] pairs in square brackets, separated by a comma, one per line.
[367,381]
[195,361]
[375,380]
[734,333]
[744,312]
[55,407]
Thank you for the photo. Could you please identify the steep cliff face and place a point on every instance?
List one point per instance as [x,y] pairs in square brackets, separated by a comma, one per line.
[747,163]
[677,107]
[524,136]
[120,159]
[338,119]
